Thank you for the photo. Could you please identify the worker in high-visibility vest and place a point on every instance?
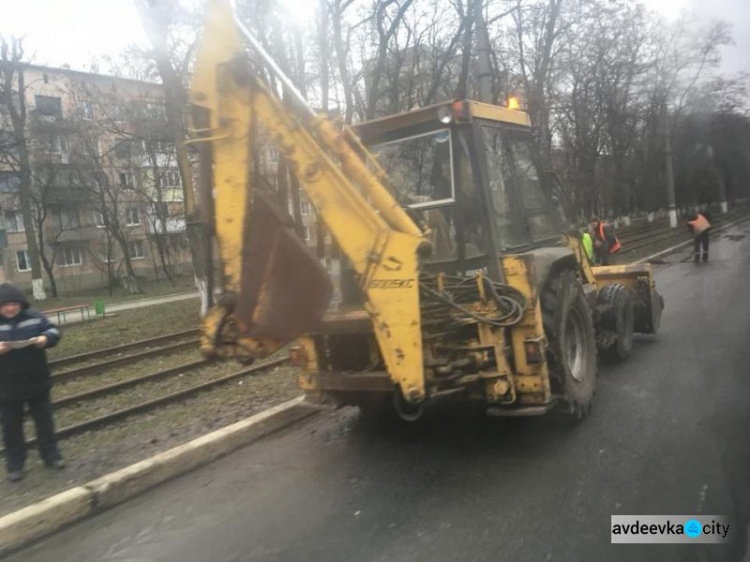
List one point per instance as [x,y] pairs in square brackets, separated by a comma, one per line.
[588,246]
[605,241]
[700,225]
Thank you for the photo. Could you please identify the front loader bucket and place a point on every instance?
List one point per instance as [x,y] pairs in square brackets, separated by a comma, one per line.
[284,290]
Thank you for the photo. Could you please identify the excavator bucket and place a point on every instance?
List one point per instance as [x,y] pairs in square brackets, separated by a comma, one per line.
[284,290]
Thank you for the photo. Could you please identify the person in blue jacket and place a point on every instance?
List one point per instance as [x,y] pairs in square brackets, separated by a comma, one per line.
[25,380]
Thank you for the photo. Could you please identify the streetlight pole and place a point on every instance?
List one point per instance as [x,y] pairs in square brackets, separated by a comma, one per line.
[669,166]
[670,179]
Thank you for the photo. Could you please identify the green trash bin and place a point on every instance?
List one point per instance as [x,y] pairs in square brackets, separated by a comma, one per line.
[99,307]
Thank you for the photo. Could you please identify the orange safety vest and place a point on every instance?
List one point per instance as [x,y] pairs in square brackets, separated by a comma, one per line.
[615,247]
[700,224]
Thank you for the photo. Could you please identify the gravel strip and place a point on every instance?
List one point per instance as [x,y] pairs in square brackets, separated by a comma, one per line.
[89,409]
[126,372]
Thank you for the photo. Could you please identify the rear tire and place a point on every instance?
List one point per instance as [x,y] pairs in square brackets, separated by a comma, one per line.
[618,318]
[571,345]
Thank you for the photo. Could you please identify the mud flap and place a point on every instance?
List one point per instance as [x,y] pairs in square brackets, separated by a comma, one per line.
[648,318]
[285,290]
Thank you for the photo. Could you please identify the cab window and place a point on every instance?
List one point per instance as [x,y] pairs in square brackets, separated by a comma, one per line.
[542,217]
[419,168]
[509,223]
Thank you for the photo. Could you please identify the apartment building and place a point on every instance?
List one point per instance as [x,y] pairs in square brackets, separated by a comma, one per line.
[106,193]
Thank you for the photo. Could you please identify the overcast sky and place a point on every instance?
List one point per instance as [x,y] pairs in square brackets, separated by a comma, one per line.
[76,31]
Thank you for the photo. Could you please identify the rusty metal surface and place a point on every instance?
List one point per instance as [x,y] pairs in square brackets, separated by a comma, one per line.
[285,290]
[350,322]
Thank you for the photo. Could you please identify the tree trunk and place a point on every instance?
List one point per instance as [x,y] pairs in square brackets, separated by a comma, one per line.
[324,54]
[341,51]
[18,117]
[47,264]
[175,97]
[484,61]
[468,18]
[129,282]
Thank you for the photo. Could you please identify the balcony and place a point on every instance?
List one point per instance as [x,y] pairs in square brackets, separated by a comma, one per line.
[78,234]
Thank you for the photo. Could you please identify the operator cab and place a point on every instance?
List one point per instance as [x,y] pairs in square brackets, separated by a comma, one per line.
[469,172]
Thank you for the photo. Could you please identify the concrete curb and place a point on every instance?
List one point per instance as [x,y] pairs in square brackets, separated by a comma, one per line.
[687,242]
[47,516]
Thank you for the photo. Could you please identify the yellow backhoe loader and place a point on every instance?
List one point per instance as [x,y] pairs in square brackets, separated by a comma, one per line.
[456,278]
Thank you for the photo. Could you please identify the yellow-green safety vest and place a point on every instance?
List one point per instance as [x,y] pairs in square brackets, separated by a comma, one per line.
[588,245]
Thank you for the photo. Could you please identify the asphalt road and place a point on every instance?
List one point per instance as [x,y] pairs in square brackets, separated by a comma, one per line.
[670,434]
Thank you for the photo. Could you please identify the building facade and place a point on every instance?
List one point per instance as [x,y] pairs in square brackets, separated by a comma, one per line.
[105,187]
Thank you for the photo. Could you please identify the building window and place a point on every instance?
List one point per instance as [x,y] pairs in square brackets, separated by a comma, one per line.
[156,111]
[306,233]
[9,182]
[68,219]
[97,218]
[22,261]
[119,112]
[13,221]
[123,149]
[87,110]
[126,180]
[49,106]
[54,144]
[132,216]
[135,250]
[70,256]
[105,253]
[305,207]
[169,178]
[162,147]
[8,143]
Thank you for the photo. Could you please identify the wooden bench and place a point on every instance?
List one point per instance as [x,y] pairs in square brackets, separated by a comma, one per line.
[84,309]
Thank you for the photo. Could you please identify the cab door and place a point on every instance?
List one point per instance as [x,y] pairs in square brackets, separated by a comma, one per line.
[523,215]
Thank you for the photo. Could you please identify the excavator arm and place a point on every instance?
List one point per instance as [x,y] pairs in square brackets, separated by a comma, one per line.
[273,290]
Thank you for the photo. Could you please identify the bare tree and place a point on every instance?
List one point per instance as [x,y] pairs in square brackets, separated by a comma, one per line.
[13,98]
[158,18]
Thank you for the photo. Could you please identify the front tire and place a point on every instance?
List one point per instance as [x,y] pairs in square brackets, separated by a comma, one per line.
[569,328]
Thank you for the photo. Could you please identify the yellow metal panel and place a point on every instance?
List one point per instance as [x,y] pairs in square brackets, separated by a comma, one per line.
[626,275]
[500,385]
[518,275]
[230,125]
[497,113]
[307,379]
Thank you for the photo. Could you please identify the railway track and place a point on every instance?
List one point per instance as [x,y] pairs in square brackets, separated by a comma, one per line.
[79,366]
[123,355]
[82,357]
[659,234]
[148,405]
